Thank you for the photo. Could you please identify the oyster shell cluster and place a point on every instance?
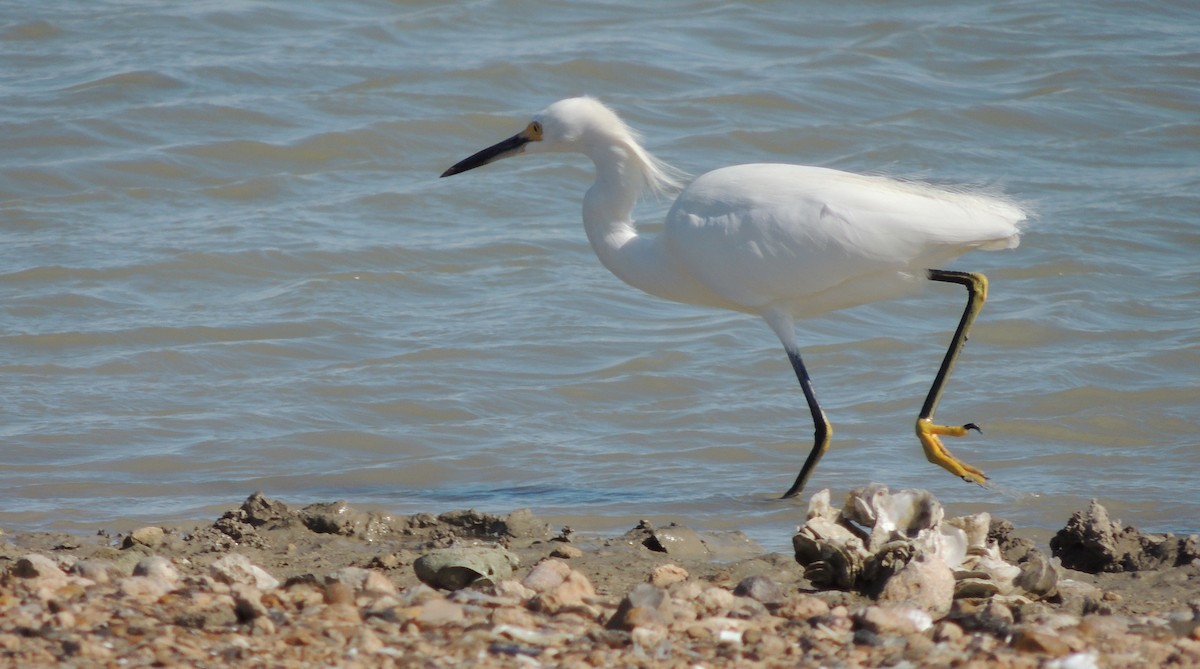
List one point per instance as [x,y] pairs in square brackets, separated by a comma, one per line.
[900,546]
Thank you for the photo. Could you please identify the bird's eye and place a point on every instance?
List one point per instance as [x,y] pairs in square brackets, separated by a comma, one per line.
[535,131]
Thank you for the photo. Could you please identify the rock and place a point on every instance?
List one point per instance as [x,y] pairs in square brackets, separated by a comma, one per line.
[247,603]
[363,581]
[546,575]
[520,524]
[831,552]
[645,605]
[456,568]
[885,621]
[97,571]
[143,587]
[667,574]
[566,552]
[149,537]
[337,593]
[715,601]
[237,568]
[262,511]
[572,592]
[1092,543]
[1038,577]
[1012,548]
[440,612]
[1077,596]
[948,631]
[680,542]
[925,583]
[341,518]
[803,607]
[991,616]
[40,567]
[760,588]
[156,566]
[1040,641]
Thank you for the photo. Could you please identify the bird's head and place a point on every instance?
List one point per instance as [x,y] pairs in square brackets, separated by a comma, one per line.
[566,125]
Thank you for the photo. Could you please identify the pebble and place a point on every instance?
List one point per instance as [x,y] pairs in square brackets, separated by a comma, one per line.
[572,592]
[566,552]
[97,571]
[37,566]
[357,617]
[237,568]
[644,605]
[149,537]
[456,568]
[667,574]
[546,575]
[363,581]
[760,588]
[1039,641]
[926,583]
[440,612]
[885,621]
[158,567]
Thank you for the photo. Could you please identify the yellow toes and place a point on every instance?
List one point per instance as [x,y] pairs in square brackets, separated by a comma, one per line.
[935,452]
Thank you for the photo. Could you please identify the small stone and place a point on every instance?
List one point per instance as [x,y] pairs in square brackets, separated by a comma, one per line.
[947,632]
[715,601]
[803,607]
[546,575]
[760,588]
[38,566]
[768,645]
[667,574]
[1036,641]
[513,617]
[97,571]
[150,537]
[143,587]
[247,603]
[884,621]
[678,541]
[156,566]
[925,583]
[457,568]
[338,593]
[992,616]
[572,592]
[363,581]
[644,605]
[566,552]
[440,612]
[237,568]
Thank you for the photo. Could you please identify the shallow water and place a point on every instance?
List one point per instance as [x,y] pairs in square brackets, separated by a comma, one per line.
[229,264]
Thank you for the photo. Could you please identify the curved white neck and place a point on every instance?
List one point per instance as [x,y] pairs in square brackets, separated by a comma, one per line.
[640,261]
[608,220]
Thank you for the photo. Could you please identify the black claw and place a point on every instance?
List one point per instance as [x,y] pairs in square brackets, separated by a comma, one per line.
[973,426]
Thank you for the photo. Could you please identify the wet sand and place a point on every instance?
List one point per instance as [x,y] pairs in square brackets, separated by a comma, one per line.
[283,585]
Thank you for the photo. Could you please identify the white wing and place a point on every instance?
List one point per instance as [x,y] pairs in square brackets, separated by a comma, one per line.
[762,235]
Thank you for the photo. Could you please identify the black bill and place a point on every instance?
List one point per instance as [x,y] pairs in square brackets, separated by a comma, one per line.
[509,147]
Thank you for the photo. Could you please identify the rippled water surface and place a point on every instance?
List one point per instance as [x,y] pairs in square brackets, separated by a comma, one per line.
[229,265]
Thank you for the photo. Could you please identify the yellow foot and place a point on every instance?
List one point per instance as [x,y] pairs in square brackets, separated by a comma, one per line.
[939,455]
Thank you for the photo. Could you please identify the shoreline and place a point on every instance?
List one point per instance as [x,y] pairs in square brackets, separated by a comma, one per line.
[267,584]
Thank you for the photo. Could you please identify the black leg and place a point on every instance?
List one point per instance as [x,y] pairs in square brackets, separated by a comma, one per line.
[821,428]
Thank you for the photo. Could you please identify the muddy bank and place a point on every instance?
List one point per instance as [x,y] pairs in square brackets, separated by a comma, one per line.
[274,584]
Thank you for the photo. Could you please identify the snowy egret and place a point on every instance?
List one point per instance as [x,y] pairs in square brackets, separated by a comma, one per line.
[780,241]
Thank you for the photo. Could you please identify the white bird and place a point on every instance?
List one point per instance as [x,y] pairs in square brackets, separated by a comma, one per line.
[780,241]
